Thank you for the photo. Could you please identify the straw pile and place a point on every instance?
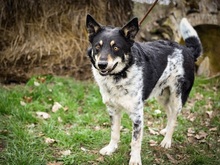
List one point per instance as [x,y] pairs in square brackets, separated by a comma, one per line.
[46,37]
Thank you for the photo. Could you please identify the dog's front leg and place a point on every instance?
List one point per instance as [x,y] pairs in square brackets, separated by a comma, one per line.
[115,117]
[137,119]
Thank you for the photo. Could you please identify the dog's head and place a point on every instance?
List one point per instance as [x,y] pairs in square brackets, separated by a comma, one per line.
[110,46]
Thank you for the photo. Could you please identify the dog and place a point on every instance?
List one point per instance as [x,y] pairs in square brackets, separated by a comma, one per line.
[129,72]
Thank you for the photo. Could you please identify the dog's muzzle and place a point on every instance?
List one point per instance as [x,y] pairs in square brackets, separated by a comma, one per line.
[104,68]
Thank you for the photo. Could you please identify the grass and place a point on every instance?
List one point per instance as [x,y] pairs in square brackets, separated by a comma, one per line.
[80,128]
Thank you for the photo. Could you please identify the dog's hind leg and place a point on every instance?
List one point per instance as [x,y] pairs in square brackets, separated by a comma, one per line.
[115,117]
[163,100]
[174,106]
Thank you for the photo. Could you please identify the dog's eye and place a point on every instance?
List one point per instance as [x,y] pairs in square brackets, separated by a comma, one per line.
[97,47]
[116,48]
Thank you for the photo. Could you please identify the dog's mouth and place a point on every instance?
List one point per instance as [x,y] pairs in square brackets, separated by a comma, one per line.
[107,72]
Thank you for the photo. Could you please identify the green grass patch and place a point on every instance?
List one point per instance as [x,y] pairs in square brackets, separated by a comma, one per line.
[76,132]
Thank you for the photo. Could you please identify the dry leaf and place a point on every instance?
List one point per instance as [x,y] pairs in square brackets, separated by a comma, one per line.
[60,120]
[66,152]
[171,159]
[55,163]
[126,130]
[213,129]
[100,159]
[27,99]
[56,107]
[84,149]
[36,83]
[49,140]
[41,79]
[191,117]
[190,132]
[97,128]
[209,113]
[22,103]
[30,126]
[157,112]
[208,106]
[153,132]
[191,139]
[152,143]
[65,108]
[199,96]
[106,124]
[201,135]
[43,115]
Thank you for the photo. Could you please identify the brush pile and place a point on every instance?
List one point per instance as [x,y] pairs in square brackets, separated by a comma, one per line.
[46,37]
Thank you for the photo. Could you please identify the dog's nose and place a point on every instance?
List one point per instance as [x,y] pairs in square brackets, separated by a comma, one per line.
[102,64]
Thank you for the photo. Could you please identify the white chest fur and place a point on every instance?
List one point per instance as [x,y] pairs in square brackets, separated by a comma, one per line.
[125,93]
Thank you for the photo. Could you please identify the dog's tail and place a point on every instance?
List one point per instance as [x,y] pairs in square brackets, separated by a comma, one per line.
[191,38]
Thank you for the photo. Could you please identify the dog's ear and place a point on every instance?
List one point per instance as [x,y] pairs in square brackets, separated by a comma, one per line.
[92,27]
[130,29]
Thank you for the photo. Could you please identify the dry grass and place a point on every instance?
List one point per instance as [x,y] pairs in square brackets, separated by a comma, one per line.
[45,37]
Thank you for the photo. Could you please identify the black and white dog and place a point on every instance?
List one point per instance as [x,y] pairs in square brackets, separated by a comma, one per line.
[130,72]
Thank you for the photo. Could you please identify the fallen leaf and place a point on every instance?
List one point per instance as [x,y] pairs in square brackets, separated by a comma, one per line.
[65,108]
[49,140]
[30,126]
[66,152]
[40,134]
[106,124]
[213,129]
[199,96]
[55,163]
[172,160]
[153,132]
[152,143]
[150,123]
[208,106]
[60,120]
[190,132]
[27,99]
[84,149]
[41,79]
[36,83]
[56,107]
[209,113]
[22,103]
[126,130]
[97,128]
[191,139]
[157,112]
[43,115]
[100,159]
[207,122]
[201,135]
[191,117]
[158,160]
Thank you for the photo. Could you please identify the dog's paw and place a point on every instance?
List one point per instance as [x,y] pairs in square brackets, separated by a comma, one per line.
[163,131]
[166,143]
[135,160]
[108,150]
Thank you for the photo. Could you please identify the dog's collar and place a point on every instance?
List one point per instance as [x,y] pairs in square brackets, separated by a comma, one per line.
[123,74]
[120,75]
